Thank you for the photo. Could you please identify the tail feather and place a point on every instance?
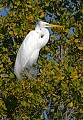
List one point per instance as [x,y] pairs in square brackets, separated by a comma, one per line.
[17,71]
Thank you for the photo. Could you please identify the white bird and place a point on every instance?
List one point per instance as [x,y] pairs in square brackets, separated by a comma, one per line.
[29,50]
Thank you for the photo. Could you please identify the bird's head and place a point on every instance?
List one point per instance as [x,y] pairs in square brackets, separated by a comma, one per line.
[42,24]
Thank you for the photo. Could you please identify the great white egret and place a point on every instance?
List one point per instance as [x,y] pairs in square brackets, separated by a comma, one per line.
[29,50]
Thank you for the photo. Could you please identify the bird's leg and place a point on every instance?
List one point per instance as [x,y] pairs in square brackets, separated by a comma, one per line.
[28,73]
[31,73]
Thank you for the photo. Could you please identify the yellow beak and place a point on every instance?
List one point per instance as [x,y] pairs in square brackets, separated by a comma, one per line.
[51,25]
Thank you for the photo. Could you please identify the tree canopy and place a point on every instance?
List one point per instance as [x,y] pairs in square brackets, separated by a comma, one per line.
[59,81]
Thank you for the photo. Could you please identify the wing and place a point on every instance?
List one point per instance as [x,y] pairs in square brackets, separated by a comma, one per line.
[28,47]
[25,52]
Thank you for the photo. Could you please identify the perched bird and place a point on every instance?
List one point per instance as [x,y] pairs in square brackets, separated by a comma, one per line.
[29,50]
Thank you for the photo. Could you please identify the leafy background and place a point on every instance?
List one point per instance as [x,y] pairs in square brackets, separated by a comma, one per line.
[57,93]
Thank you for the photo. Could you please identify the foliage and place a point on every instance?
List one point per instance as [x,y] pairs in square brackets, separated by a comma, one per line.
[59,80]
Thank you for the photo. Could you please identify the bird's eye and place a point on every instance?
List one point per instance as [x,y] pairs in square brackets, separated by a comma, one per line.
[42,36]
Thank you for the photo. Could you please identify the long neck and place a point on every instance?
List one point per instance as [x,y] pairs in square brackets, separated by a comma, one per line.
[44,37]
[37,28]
